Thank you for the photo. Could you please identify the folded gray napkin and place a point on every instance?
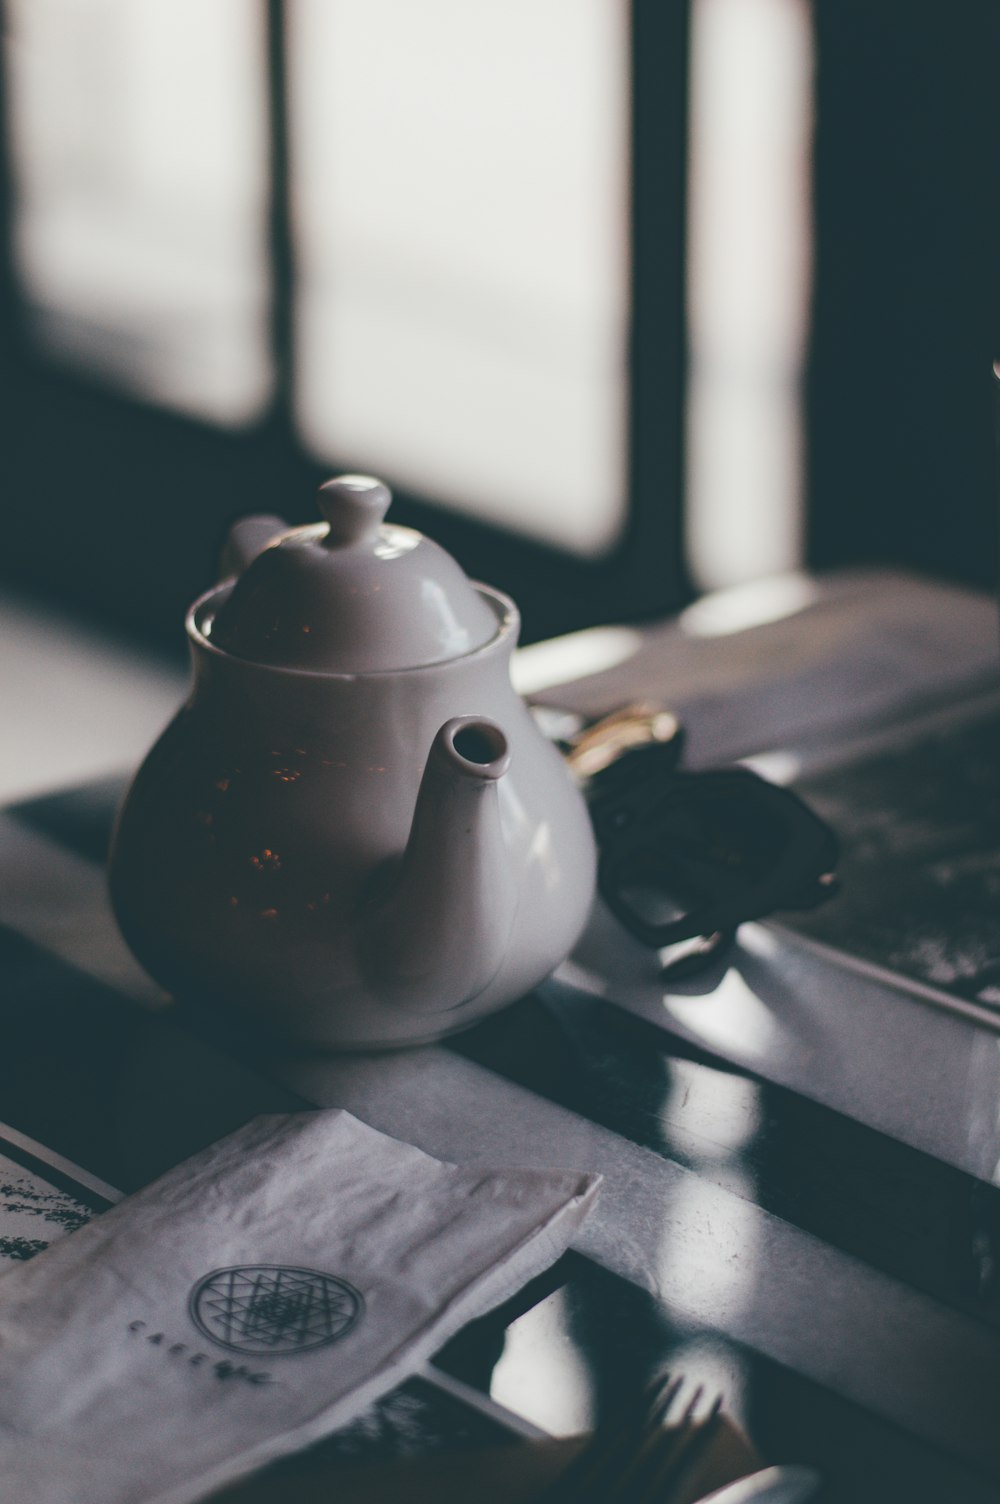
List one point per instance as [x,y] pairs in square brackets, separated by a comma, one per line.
[256,1297]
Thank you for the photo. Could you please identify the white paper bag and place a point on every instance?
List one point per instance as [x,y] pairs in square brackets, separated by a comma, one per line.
[256,1297]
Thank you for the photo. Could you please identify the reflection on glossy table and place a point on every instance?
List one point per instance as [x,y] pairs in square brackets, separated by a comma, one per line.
[798,1206]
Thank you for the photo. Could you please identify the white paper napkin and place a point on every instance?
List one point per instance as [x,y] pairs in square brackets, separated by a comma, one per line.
[256,1297]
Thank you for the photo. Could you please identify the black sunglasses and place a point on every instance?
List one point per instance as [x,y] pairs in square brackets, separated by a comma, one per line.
[689,856]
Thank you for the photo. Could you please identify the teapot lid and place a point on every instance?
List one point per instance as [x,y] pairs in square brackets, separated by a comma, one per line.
[353,594]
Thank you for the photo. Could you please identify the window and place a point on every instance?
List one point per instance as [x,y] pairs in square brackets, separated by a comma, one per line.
[435,241]
[140,178]
[749,253]
[253,241]
[460,199]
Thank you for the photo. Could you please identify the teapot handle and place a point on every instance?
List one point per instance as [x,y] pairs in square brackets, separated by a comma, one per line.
[245,540]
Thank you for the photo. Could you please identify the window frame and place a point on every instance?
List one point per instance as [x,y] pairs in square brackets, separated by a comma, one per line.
[84,456]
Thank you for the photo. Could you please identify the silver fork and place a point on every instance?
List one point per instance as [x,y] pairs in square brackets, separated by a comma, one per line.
[640,1454]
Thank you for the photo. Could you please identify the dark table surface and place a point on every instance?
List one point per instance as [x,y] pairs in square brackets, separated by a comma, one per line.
[841,1286]
[800,1155]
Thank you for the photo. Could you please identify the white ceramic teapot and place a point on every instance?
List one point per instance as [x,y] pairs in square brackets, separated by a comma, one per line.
[353,827]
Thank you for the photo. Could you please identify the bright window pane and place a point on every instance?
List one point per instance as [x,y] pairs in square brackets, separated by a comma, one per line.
[460,198]
[749,272]
[139,132]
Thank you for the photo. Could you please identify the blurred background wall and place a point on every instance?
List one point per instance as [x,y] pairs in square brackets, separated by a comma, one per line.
[626,301]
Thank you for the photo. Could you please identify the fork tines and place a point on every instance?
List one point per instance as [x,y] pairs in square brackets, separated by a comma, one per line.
[642,1452]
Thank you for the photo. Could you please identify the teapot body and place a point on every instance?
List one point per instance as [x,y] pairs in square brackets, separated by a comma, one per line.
[277,800]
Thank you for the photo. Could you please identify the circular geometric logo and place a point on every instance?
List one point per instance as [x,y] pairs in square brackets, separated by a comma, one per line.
[266,1308]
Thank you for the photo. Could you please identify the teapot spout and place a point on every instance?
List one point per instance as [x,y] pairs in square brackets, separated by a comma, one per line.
[438,937]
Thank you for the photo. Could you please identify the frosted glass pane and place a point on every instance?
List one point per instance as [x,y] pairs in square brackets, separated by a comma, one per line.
[749,275]
[139,133]
[460,196]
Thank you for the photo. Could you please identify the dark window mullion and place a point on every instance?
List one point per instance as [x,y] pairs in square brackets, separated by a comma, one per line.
[657,355]
[280,246]
[13,345]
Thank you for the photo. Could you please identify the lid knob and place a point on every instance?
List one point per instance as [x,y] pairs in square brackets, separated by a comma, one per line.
[354,506]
